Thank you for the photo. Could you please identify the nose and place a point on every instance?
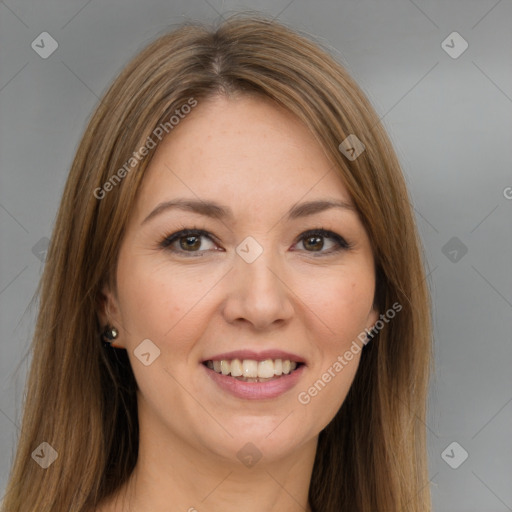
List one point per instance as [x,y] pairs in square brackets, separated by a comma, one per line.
[258,293]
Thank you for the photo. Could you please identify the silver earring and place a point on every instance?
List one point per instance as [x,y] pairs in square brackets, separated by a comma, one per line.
[110,333]
[370,335]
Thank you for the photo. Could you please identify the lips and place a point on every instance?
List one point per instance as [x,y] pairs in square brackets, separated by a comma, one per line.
[249,369]
[249,366]
[255,375]
[256,389]
[256,356]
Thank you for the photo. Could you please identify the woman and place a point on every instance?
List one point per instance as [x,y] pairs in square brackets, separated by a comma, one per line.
[233,313]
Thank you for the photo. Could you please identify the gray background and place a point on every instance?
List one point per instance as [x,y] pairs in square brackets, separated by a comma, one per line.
[449,118]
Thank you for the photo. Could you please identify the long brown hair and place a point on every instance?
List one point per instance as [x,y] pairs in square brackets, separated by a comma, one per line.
[80,398]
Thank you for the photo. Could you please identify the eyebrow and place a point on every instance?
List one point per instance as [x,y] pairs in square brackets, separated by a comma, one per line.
[218,211]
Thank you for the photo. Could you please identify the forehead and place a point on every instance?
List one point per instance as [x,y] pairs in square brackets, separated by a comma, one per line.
[247,152]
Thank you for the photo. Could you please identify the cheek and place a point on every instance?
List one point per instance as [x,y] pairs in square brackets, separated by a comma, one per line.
[159,300]
[341,315]
[327,389]
[342,304]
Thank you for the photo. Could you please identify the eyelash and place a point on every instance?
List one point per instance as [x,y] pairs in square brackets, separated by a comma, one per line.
[168,240]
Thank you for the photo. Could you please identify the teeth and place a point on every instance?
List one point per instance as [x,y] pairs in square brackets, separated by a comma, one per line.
[250,370]
[236,368]
[266,369]
[225,367]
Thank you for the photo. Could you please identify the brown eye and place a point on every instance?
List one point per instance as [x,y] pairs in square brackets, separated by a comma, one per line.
[314,241]
[187,241]
[190,242]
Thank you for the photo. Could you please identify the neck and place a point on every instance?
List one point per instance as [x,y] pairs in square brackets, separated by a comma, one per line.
[175,476]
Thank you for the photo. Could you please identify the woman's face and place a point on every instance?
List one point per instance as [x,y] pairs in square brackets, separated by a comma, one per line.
[248,285]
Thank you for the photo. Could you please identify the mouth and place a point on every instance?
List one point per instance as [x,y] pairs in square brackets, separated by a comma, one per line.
[252,370]
[251,375]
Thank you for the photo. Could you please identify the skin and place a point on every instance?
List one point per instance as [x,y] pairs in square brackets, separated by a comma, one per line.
[259,160]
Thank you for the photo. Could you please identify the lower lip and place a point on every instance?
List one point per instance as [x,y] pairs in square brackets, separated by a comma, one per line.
[255,390]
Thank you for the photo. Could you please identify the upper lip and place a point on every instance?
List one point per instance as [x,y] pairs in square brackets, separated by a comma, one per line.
[257,356]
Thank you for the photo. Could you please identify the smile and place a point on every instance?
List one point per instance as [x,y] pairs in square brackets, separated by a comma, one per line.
[254,377]
[250,370]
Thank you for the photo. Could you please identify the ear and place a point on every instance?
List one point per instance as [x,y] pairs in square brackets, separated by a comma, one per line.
[373,316]
[109,314]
